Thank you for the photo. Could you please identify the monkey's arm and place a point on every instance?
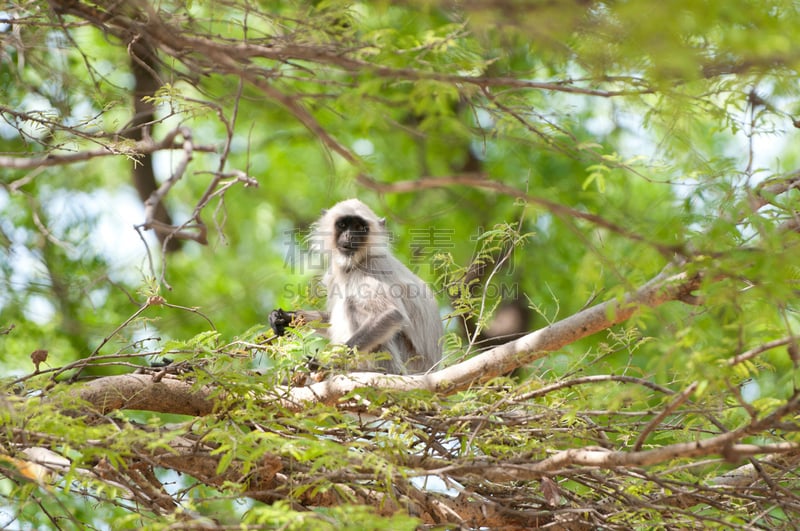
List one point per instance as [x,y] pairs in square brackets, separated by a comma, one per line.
[279,319]
[377,331]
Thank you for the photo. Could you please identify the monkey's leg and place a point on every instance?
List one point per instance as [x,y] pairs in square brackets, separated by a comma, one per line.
[377,331]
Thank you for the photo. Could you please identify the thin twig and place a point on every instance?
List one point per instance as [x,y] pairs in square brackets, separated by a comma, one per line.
[753,352]
[672,406]
[124,147]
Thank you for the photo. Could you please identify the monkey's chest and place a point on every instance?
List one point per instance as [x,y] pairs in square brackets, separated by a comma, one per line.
[348,314]
[351,310]
[342,324]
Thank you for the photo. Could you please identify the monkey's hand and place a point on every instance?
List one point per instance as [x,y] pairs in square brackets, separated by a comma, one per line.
[279,320]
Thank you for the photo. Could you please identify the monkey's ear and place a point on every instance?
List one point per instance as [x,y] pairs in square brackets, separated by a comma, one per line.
[323,212]
[382,222]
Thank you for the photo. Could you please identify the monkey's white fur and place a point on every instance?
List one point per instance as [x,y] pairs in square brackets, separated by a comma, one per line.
[375,302]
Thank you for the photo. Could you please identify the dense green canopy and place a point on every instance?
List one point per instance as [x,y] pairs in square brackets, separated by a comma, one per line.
[603,195]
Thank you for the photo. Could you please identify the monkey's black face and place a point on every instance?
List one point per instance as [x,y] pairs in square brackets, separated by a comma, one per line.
[352,234]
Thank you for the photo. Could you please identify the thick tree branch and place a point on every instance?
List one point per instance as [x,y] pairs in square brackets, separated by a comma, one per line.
[141,391]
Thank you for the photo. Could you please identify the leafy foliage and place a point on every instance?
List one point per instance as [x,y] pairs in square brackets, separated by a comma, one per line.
[532,158]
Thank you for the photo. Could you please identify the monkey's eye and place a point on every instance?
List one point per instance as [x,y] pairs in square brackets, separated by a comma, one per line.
[341,225]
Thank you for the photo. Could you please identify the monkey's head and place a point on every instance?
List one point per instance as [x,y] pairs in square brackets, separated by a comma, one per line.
[351,233]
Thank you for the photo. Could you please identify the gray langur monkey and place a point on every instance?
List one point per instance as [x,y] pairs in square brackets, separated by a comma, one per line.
[375,303]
